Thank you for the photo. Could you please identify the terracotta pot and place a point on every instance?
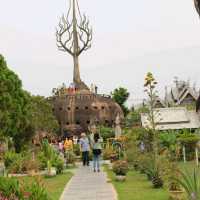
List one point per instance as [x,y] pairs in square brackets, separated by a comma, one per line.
[120,178]
[176,195]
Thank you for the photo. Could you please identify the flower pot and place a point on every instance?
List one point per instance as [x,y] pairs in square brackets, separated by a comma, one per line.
[176,194]
[120,178]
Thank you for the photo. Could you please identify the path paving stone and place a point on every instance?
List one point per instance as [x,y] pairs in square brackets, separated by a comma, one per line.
[87,185]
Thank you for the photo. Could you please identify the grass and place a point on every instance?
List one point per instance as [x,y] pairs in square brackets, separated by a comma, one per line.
[54,185]
[137,187]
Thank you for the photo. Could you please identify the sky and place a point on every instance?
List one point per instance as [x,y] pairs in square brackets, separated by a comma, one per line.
[130,38]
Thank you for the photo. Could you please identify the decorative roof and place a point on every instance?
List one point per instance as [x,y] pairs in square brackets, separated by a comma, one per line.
[180,92]
[173,118]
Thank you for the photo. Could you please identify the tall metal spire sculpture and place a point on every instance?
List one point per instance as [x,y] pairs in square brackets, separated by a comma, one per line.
[197,5]
[74,36]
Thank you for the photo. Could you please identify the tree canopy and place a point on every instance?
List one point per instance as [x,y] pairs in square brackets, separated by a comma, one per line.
[121,95]
[21,114]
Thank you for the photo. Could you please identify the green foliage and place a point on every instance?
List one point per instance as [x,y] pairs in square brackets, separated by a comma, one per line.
[109,153]
[10,157]
[36,191]
[121,95]
[188,139]
[191,183]
[59,165]
[21,114]
[106,132]
[42,115]
[167,139]
[14,106]
[134,117]
[76,149]
[20,162]
[48,158]
[11,188]
[120,167]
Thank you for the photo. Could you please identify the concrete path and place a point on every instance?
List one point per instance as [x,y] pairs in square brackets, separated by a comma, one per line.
[87,185]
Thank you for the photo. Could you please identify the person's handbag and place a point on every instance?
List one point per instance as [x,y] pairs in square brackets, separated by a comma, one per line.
[96,151]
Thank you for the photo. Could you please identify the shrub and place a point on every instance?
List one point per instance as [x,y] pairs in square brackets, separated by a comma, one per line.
[77,150]
[10,188]
[10,157]
[59,165]
[42,160]
[120,167]
[110,154]
[191,184]
[70,157]
[37,191]
[106,132]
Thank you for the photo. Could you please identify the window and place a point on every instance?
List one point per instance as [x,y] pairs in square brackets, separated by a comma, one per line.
[77,108]
[106,121]
[67,123]
[60,108]
[68,108]
[95,107]
[88,122]
[86,107]
[102,107]
[77,122]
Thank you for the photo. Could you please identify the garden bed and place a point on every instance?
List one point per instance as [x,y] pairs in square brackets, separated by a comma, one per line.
[54,186]
[136,187]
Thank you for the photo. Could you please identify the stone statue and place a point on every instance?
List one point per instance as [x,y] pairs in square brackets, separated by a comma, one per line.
[118,130]
[197,5]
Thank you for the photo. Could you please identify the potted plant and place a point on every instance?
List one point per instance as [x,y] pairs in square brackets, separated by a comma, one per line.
[120,168]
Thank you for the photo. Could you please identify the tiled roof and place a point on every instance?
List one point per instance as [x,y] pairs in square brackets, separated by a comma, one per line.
[172,118]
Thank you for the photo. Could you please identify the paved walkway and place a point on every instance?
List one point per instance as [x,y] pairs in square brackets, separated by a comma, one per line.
[87,185]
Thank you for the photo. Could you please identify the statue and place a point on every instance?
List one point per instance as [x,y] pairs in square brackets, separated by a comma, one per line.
[197,5]
[118,130]
[74,37]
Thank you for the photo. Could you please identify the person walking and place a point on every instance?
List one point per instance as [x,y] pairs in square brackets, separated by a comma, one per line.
[97,150]
[85,148]
[68,148]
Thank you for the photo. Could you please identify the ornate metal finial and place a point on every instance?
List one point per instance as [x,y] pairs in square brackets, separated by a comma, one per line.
[197,5]
[74,36]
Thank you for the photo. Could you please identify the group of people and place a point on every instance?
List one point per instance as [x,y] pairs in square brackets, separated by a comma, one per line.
[92,143]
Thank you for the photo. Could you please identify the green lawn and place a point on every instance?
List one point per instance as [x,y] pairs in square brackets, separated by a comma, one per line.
[137,187]
[54,185]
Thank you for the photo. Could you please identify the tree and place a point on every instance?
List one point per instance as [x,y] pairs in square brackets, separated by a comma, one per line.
[121,95]
[14,105]
[21,115]
[42,115]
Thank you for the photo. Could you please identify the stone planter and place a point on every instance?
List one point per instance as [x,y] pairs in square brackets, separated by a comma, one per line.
[176,195]
[120,178]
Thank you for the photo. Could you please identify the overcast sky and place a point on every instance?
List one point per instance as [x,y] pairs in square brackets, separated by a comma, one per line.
[131,37]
